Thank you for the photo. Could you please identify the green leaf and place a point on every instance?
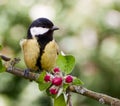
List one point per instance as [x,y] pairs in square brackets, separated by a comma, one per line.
[66,63]
[65,86]
[42,84]
[41,77]
[2,67]
[77,81]
[60,101]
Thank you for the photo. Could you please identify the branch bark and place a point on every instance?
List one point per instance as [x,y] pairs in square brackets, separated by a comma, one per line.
[101,98]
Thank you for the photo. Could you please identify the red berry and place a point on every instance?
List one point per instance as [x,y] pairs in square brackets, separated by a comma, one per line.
[57,81]
[56,70]
[68,79]
[47,78]
[53,90]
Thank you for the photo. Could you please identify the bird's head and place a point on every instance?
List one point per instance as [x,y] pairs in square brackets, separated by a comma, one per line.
[41,27]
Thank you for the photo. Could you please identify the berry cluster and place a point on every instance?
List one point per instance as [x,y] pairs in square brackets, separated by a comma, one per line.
[57,80]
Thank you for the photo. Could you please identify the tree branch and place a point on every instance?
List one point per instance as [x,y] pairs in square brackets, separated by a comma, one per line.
[20,73]
[102,98]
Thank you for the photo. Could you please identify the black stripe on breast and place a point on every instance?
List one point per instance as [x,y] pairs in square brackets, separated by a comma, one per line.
[43,41]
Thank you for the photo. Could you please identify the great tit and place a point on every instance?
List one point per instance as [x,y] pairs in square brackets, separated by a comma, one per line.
[39,48]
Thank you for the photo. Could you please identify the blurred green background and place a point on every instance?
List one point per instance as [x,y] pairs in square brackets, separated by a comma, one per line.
[89,30]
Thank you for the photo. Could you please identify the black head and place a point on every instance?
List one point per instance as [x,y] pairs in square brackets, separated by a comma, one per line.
[41,27]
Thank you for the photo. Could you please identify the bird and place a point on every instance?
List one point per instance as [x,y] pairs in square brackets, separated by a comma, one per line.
[39,48]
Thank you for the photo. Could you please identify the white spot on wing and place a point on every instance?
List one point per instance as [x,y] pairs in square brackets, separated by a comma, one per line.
[38,31]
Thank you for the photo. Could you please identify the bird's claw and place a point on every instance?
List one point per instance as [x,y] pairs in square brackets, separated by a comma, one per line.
[26,72]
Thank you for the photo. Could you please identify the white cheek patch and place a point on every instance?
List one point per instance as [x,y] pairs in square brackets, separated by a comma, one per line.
[38,30]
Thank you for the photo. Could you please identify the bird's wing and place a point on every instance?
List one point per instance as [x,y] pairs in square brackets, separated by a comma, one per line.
[49,56]
[31,51]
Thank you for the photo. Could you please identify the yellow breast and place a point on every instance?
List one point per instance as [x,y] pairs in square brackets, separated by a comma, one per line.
[31,52]
[49,56]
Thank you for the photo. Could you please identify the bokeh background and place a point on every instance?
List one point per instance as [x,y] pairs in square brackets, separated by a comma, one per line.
[89,30]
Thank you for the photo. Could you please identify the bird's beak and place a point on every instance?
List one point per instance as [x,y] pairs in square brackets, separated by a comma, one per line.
[54,28]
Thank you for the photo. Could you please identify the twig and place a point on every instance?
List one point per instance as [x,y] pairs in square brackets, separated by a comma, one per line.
[69,103]
[20,73]
[102,98]
[17,71]
[5,58]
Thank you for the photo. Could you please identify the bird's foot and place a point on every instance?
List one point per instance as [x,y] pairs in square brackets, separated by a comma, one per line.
[39,71]
[26,72]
